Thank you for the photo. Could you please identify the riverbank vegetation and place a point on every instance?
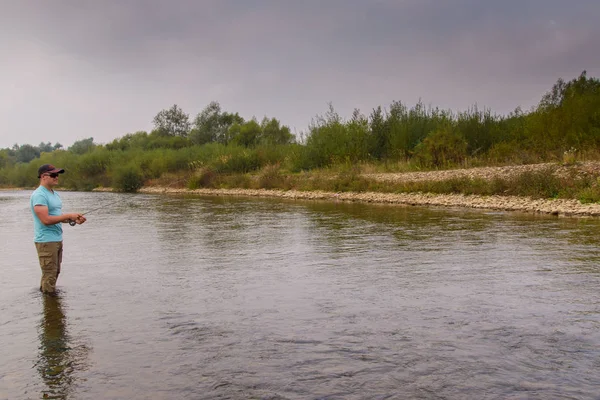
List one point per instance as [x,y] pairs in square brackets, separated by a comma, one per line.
[220,149]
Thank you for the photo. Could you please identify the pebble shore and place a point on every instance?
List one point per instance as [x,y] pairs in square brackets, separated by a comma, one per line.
[558,207]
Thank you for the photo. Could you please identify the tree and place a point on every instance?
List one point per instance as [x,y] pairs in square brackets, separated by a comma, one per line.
[273,133]
[567,116]
[26,153]
[82,146]
[380,132]
[212,125]
[358,141]
[45,147]
[227,121]
[249,134]
[172,122]
[207,127]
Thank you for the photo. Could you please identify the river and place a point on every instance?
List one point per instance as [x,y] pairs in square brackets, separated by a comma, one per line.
[165,297]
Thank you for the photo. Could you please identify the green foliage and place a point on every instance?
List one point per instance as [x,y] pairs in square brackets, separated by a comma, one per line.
[247,134]
[350,181]
[567,116]
[94,164]
[537,184]
[212,125]
[359,141]
[480,130]
[172,122]
[381,134]
[442,148]
[47,147]
[26,153]
[5,158]
[128,141]
[204,177]
[331,141]
[128,178]
[236,181]
[589,194]
[20,175]
[237,160]
[296,159]
[274,134]
[155,140]
[270,177]
[82,146]
[408,128]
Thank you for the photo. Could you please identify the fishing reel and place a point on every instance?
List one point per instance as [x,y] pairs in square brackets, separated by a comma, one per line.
[72,223]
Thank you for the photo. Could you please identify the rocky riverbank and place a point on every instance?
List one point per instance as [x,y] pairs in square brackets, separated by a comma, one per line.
[505,203]
[559,207]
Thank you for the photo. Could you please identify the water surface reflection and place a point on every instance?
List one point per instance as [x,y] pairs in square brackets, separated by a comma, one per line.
[59,358]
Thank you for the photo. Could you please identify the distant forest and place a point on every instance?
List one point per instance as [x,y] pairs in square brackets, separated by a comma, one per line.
[565,124]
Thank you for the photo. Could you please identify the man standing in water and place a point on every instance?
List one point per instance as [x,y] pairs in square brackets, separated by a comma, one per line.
[47,218]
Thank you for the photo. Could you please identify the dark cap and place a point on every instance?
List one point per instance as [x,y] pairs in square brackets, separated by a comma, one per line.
[49,169]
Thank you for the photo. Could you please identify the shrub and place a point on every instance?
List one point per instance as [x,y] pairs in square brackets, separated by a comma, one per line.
[128,178]
[270,177]
[204,177]
[442,147]
[350,180]
[570,156]
[589,195]
[537,184]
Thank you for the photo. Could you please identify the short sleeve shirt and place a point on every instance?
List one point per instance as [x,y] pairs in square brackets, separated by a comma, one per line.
[46,233]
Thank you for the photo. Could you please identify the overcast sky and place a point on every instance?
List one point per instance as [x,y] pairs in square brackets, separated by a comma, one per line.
[75,69]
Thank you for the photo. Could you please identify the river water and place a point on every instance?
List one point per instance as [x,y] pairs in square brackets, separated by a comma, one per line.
[233,298]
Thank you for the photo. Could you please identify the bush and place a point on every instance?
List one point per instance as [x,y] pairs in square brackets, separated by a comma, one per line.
[442,147]
[204,177]
[570,156]
[270,178]
[589,195]
[237,161]
[128,178]
[536,184]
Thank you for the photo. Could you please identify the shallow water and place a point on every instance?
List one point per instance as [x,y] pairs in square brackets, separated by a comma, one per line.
[205,298]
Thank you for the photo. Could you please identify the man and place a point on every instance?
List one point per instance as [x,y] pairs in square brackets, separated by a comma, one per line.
[47,218]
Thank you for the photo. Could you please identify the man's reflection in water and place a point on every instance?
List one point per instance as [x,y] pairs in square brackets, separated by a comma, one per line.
[59,358]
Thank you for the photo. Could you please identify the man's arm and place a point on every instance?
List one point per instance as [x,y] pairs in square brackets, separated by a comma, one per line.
[42,214]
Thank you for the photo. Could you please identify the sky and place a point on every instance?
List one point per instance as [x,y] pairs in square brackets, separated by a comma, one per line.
[70,70]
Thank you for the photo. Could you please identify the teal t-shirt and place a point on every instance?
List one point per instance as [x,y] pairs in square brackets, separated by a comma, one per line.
[46,233]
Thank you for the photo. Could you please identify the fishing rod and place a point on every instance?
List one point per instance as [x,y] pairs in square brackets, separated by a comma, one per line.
[72,223]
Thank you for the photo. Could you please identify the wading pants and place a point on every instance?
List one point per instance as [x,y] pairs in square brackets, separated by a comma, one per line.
[50,255]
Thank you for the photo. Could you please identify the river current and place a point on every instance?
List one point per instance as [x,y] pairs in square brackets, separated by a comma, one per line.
[164,297]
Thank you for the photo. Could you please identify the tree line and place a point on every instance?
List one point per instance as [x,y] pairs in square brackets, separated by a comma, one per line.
[566,121]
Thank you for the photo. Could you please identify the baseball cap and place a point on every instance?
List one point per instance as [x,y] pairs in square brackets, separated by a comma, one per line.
[49,169]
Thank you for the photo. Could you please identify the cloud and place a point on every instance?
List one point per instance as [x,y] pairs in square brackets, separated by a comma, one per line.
[72,70]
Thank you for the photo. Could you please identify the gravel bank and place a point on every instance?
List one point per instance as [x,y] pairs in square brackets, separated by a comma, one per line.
[558,207]
[504,203]
[591,168]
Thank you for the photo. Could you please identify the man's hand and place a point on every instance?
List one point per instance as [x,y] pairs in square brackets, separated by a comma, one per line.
[74,218]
